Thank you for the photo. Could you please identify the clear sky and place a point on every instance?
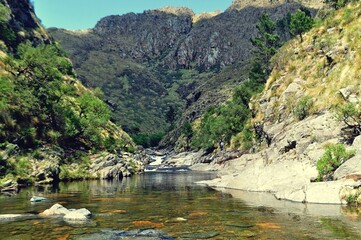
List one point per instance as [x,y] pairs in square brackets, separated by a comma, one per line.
[83,14]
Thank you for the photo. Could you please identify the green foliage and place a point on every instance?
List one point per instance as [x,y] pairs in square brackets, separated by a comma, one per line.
[266,44]
[6,33]
[300,23]
[223,122]
[247,137]
[303,106]
[229,119]
[352,198]
[334,156]
[148,140]
[40,103]
[350,114]
[187,130]
[267,40]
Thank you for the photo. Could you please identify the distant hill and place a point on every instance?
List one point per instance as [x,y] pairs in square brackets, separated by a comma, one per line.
[167,61]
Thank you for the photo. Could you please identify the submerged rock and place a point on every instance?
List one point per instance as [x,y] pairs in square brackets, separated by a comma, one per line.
[37,199]
[135,234]
[14,217]
[200,235]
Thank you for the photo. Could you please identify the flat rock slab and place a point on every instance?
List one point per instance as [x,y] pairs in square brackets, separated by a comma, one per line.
[149,234]
[200,235]
[15,217]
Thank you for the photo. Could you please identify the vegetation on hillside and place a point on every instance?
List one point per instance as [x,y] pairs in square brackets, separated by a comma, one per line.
[222,123]
[45,112]
[334,156]
[327,61]
[42,102]
[323,76]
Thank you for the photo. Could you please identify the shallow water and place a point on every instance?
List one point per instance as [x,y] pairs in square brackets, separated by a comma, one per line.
[173,203]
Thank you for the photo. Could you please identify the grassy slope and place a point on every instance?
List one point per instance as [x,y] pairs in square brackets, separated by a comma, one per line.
[309,64]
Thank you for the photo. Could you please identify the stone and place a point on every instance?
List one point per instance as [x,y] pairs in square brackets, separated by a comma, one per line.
[82,214]
[56,209]
[324,192]
[293,88]
[37,199]
[13,217]
[150,234]
[71,215]
[350,167]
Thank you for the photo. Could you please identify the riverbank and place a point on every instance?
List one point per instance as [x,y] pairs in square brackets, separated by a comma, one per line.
[286,168]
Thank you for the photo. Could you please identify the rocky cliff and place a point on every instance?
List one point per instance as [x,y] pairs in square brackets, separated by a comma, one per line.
[325,70]
[146,63]
[23,23]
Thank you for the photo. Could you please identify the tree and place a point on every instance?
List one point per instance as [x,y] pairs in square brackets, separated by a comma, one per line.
[300,23]
[266,44]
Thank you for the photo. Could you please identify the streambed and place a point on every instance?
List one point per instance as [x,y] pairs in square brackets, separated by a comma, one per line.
[173,203]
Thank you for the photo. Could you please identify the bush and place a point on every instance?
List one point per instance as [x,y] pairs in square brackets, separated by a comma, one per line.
[334,156]
[303,107]
[350,114]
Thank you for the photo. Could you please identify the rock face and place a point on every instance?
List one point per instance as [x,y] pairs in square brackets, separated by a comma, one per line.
[114,166]
[286,165]
[167,57]
[25,23]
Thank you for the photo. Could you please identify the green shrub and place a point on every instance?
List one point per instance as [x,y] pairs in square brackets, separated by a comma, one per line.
[334,156]
[148,140]
[350,114]
[303,107]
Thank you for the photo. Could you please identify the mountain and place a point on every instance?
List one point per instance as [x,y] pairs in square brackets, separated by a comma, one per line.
[51,126]
[168,64]
[305,143]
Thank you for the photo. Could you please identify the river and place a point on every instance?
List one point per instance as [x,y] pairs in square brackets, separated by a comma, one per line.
[171,202]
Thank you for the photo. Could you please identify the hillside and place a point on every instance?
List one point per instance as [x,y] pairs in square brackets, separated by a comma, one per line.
[309,118]
[169,63]
[48,119]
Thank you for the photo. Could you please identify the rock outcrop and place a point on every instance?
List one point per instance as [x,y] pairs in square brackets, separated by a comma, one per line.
[314,79]
[114,166]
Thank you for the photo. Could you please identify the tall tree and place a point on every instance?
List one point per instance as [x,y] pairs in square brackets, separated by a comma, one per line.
[266,43]
[300,23]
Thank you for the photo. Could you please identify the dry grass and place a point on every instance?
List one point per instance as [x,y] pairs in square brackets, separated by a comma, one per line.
[338,36]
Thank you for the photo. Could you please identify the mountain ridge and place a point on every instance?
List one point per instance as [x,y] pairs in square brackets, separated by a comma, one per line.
[173,54]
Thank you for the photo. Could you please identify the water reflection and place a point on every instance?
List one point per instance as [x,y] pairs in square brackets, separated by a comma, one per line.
[173,203]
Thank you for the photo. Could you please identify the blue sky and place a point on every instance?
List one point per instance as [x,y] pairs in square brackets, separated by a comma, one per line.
[83,14]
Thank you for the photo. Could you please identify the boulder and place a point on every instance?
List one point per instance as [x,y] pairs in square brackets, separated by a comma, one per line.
[56,209]
[76,215]
[82,214]
[353,165]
